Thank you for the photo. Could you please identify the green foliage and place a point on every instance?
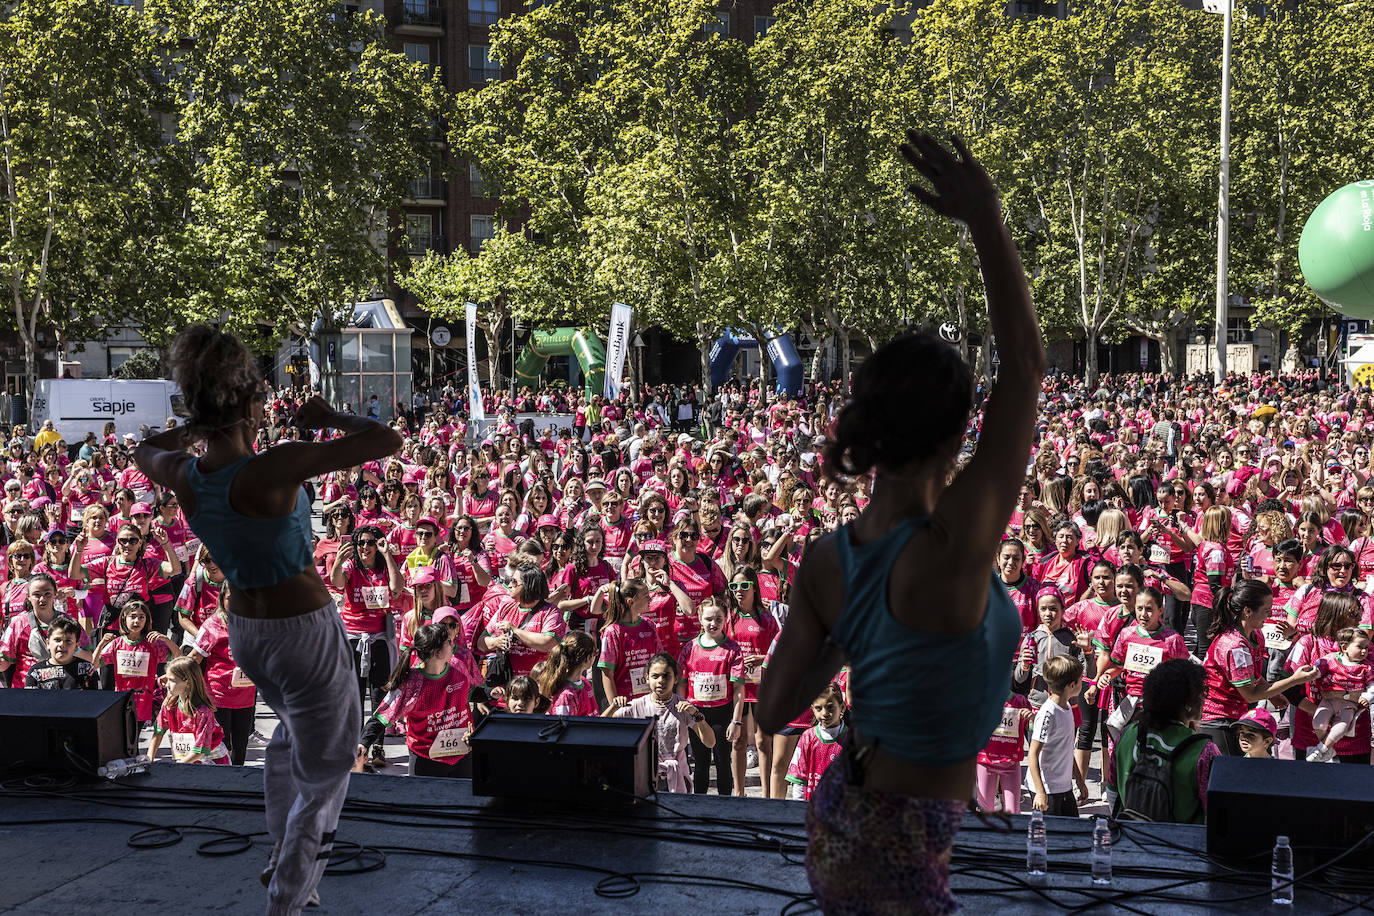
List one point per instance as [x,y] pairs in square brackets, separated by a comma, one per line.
[143,364]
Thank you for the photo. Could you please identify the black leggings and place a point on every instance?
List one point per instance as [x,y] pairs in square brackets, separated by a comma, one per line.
[371,683]
[238,726]
[423,766]
[718,717]
[1202,620]
[1175,611]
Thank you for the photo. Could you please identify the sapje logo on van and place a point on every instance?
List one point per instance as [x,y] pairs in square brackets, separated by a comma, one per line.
[113,408]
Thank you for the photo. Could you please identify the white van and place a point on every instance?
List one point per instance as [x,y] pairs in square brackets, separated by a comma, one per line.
[80,406]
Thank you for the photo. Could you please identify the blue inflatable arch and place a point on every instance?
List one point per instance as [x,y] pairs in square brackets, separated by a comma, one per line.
[787,364]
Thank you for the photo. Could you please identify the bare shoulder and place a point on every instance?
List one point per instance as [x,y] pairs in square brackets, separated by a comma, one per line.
[819,576]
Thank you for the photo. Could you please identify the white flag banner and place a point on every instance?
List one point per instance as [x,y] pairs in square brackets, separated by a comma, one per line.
[617,345]
[475,411]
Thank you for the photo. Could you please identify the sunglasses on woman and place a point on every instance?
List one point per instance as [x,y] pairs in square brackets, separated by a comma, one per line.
[741,586]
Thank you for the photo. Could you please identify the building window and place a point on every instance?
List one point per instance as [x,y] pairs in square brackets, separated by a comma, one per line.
[483,12]
[480,228]
[762,24]
[481,68]
[721,25]
[417,52]
[420,236]
[118,356]
[1238,330]
[477,182]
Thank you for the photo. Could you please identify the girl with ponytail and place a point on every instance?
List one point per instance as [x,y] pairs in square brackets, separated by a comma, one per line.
[628,640]
[565,680]
[427,695]
[1236,661]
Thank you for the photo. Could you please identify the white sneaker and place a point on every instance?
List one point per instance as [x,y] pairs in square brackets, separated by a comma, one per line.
[751,757]
[1321,754]
[314,898]
[257,739]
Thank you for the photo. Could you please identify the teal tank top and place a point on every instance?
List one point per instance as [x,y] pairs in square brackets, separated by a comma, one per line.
[252,552]
[928,699]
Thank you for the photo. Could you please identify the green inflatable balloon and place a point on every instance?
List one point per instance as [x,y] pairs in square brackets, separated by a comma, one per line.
[1336,251]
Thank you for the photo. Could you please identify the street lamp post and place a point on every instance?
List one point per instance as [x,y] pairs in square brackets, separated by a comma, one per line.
[1224,189]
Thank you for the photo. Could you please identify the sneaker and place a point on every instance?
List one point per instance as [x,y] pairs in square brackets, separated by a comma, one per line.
[257,739]
[1321,754]
[751,757]
[271,868]
[314,898]
[378,757]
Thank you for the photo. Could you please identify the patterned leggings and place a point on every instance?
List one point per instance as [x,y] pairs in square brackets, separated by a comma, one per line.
[874,852]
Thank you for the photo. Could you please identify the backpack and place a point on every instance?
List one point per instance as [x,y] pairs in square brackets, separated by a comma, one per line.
[1149,791]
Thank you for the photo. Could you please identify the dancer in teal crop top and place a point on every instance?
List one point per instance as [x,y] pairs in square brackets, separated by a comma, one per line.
[251,511]
[905,594]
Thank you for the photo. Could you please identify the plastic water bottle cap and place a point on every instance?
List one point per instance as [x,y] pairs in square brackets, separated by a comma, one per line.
[1283,841]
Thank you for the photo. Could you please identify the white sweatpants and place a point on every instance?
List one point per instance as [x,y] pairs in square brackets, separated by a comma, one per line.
[303,668]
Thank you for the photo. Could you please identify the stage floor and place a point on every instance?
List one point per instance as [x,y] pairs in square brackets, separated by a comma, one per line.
[441,849]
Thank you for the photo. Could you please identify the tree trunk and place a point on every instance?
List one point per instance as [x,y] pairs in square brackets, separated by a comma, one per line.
[1166,354]
[844,358]
[492,331]
[704,339]
[817,357]
[1090,361]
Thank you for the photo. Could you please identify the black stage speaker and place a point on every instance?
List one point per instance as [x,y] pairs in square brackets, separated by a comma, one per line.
[1316,805]
[46,729]
[563,758]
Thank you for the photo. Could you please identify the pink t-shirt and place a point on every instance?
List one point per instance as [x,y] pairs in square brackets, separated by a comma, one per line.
[1139,652]
[542,618]
[709,671]
[434,709]
[753,635]
[1232,661]
[135,667]
[625,652]
[367,598]
[1007,746]
[195,732]
[230,688]
[577,698]
[813,756]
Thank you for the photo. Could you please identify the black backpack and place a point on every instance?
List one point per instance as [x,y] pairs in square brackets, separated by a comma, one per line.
[1149,791]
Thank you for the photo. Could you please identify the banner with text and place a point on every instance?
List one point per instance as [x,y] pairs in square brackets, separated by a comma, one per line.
[475,411]
[617,345]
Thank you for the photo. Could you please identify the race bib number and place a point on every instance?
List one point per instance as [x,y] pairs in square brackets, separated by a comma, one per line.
[639,681]
[707,687]
[753,673]
[1274,638]
[1159,553]
[450,742]
[616,563]
[464,596]
[131,663]
[1011,723]
[239,679]
[181,552]
[1143,659]
[183,743]
[376,597]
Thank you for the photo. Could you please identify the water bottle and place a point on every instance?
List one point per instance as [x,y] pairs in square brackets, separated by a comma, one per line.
[117,768]
[1283,873]
[1037,848]
[1102,853]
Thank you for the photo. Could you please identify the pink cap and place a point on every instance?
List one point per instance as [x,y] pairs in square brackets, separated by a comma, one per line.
[1261,719]
[430,520]
[141,509]
[1049,591]
[414,475]
[424,575]
[446,613]
[655,545]
[1235,488]
[547,521]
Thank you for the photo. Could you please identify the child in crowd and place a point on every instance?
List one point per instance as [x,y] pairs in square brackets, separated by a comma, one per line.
[819,744]
[1052,739]
[566,678]
[188,716]
[673,718]
[999,764]
[523,697]
[62,670]
[1346,686]
[1256,732]
[136,656]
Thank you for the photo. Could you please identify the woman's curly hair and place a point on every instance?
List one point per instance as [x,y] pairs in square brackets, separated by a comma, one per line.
[218,377]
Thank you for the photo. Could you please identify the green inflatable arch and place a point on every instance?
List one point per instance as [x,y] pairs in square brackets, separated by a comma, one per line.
[587,347]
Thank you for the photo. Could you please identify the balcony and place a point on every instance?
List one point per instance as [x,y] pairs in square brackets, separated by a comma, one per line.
[418,244]
[429,191]
[414,18]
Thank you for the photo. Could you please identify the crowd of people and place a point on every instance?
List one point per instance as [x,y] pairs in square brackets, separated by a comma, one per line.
[627,569]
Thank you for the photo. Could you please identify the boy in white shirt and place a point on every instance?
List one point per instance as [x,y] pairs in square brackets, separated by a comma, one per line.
[1052,739]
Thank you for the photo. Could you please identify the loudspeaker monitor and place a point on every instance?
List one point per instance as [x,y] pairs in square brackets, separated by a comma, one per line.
[563,758]
[65,729]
